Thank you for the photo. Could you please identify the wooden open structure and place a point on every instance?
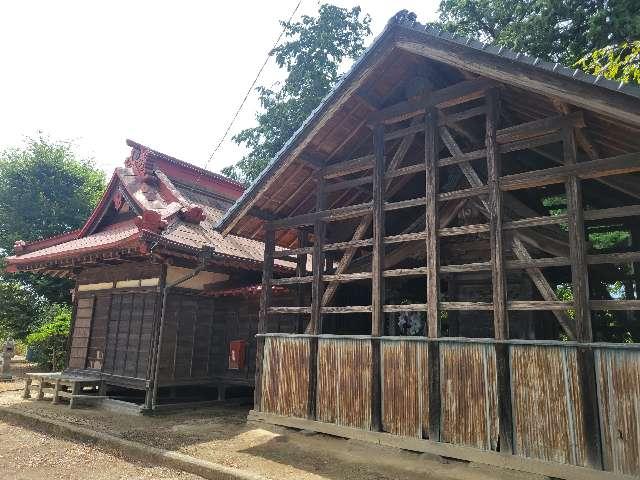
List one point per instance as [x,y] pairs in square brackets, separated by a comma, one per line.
[468,192]
[159,296]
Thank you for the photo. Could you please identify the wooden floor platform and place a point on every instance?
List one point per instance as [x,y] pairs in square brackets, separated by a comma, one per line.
[64,385]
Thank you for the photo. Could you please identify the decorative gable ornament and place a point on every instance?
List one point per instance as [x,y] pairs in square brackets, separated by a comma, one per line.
[192,214]
[151,221]
[142,164]
[118,200]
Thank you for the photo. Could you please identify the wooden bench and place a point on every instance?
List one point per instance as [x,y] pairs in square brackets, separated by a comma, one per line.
[63,385]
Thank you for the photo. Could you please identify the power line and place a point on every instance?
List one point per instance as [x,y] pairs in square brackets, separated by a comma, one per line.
[255,80]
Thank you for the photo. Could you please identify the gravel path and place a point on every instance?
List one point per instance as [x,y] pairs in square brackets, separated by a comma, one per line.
[218,434]
[25,454]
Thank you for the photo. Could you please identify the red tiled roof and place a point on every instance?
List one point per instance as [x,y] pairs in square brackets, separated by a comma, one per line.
[119,235]
[182,214]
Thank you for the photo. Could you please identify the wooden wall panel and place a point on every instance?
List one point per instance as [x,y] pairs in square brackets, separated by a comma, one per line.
[546,407]
[404,387]
[202,339]
[98,339]
[344,382]
[130,326]
[285,385]
[469,395]
[618,380]
[81,333]
[187,321]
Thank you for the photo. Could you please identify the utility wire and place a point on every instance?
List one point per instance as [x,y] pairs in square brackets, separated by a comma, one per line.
[255,80]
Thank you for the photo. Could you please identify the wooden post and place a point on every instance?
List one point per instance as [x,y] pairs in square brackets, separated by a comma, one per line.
[317,290]
[431,158]
[319,231]
[580,287]
[301,270]
[72,327]
[500,319]
[377,279]
[498,281]
[265,303]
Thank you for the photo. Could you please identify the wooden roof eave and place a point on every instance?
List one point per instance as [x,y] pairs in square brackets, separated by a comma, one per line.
[559,83]
[359,73]
[152,240]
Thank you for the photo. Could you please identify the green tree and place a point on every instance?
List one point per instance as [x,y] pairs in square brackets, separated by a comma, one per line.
[314,51]
[45,190]
[49,340]
[21,308]
[550,29]
[615,62]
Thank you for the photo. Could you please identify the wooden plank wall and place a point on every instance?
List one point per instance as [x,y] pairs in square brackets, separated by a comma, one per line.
[544,381]
[187,339]
[285,388]
[344,382]
[405,398]
[618,374]
[546,404]
[81,333]
[130,327]
[98,338]
[468,391]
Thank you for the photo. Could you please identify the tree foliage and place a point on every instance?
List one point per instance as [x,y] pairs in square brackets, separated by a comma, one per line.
[21,308]
[553,30]
[48,342]
[312,56]
[615,62]
[45,190]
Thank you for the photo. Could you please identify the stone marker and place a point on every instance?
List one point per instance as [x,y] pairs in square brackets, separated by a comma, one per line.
[6,354]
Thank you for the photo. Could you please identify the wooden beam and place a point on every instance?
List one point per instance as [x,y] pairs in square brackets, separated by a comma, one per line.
[340,213]
[431,155]
[301,270]
[351,183]
[625,108]
[541,283]
[519,249]
[443,119]
[347,167]
[580,288]
[449,96]
[621,164]
[431,221]
[498,280]
[577,241]
[365,222]
[377,279]
[317,287]
[500,319]
[263,315]
[377,264]
[541,468]
[289,310]
[537,128]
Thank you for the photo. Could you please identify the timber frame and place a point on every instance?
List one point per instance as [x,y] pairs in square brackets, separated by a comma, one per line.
[432,162]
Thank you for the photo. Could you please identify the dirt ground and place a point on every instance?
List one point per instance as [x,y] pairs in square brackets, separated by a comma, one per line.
[28,455]
[221,434]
